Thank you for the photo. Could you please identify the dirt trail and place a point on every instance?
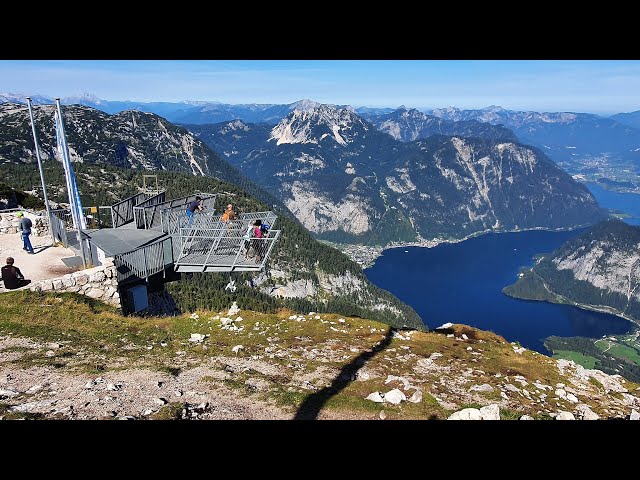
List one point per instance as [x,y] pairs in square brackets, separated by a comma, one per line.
[46,263]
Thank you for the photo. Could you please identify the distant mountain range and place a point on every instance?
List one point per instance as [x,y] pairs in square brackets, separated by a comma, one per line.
[347,181]
[191,112]
[562,135]
[631,119]
[410,124]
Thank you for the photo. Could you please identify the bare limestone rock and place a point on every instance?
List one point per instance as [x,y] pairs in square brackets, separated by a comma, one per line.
[586,413]
[416,397]
[565,416]
[95,293]
[395,396]
[485,387]
[97,277]
[490,412]
[375,397]
[466,414]
[234,310]
[444,326]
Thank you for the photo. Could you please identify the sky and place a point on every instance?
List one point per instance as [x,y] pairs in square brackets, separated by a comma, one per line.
[598,86]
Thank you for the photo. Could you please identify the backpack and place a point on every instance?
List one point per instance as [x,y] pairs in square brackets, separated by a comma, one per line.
[264,228]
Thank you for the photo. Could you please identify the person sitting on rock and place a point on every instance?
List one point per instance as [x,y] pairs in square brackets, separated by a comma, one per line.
[12,276]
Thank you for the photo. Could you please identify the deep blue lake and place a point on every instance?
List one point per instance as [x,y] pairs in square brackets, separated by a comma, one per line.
[462,283]
[626,202]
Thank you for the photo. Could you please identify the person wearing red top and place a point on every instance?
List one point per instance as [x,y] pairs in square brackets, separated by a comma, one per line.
[255,242]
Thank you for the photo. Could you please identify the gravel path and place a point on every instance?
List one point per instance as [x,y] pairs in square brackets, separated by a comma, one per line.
[46,263]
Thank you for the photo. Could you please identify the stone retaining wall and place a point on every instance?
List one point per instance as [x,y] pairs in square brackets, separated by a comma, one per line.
[9,223]
[98,282]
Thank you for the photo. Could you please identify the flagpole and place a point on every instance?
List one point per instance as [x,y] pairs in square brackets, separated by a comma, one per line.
[72,197]
[44,188]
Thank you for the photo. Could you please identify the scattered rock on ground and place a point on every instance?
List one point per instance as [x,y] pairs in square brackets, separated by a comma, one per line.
[416,397]
[485,387]
[466,414]
[395,396]
[586,413]
[444,326]
[375,397]
[565,416]
[490,412]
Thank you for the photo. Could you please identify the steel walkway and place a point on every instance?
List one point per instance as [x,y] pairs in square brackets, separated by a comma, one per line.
[205,245]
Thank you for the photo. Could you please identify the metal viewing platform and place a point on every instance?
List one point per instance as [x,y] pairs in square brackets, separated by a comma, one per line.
[152,235]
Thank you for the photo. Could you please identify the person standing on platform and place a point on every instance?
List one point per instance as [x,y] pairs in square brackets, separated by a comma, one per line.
[194,206]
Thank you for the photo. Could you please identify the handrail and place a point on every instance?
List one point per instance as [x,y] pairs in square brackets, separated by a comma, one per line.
[222,246]
[140,210]
[122,212]
[31,211]
[143,261]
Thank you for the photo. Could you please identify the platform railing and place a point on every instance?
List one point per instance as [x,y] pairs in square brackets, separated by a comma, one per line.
[144,213]
[122,212]
[144,261]
[173,213]
[206,249]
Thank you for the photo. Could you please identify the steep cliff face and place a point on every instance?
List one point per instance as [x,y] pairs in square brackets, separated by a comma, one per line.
[346,181]
[600,268]
[457,186]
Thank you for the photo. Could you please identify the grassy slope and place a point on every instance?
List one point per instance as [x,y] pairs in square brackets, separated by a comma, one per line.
[96,340]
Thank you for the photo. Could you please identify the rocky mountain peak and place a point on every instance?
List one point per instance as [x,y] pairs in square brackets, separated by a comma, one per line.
[316,124]
[305,104]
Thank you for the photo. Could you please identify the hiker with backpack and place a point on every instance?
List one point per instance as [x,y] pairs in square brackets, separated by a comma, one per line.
[260,231]
[247,241]
[25,227]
